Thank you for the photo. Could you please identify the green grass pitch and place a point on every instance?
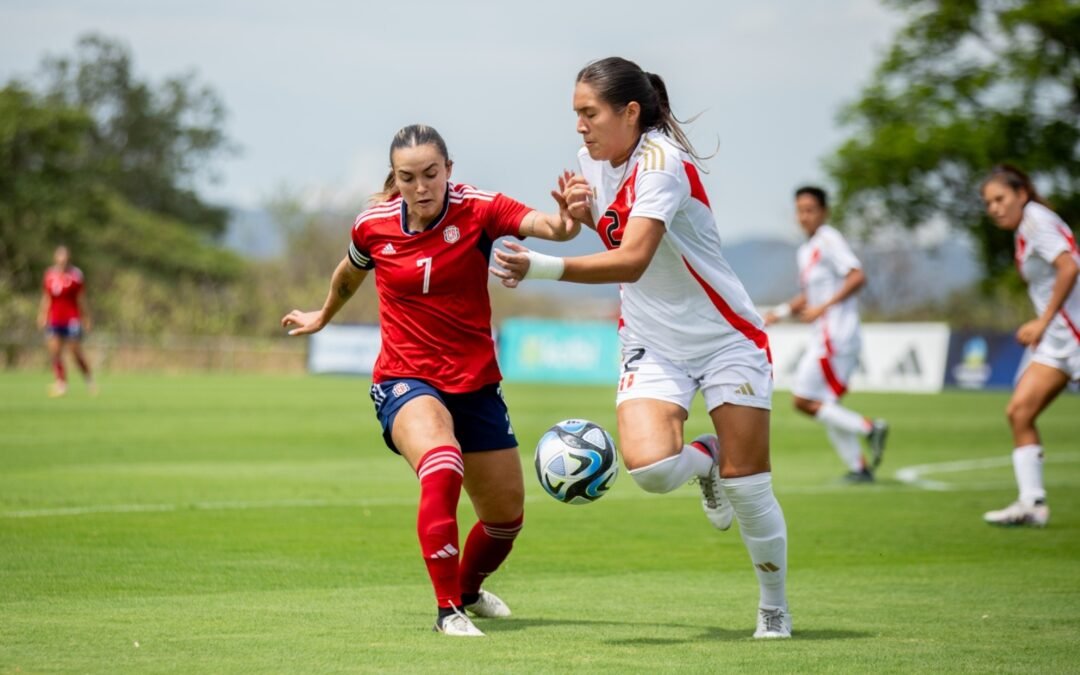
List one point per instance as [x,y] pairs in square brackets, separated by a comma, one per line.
[257,524]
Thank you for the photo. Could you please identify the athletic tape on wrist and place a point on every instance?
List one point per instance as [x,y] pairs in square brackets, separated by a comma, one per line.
[544,266]
[782,311]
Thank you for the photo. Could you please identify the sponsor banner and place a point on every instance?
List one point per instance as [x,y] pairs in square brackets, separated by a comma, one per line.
[983,360]
[901,357]
[534,350]
[344,349]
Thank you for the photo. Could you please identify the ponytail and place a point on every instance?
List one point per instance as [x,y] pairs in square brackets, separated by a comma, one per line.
[618,81]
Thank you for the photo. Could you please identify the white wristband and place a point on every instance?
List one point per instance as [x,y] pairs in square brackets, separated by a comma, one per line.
[544,266]
[782,311]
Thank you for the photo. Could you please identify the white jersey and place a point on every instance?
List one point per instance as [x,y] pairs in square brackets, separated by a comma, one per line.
[688,303]
[1040,239]
[824,262]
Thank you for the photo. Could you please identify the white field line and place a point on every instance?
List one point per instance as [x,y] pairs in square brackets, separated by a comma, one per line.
[909,476]
[914,475]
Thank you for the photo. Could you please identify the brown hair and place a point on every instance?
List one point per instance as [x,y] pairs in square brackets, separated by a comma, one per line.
[409,137]
[618,82]
[1016,179]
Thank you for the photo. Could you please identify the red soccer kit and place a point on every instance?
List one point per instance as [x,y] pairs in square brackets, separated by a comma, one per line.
[63,288]
[434,309]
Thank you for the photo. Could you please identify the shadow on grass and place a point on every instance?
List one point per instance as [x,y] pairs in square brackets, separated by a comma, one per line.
[703,632]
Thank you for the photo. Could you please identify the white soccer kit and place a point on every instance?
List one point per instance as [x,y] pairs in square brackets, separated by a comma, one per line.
[825,260]
[687,323]
[1041,237]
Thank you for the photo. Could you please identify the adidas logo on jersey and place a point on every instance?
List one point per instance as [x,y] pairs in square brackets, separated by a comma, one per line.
[388,249]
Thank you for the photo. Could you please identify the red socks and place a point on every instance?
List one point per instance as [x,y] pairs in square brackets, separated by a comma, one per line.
[58,369]
[487,546]
[440,472]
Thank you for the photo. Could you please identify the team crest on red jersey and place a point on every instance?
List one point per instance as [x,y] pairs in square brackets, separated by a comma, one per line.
[451,234]
[400,388]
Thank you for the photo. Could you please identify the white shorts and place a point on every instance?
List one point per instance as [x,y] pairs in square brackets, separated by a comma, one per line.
[739,374]
[1049,356]
[824,378]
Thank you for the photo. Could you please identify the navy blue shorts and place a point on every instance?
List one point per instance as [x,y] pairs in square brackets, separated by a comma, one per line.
[481,420]
[71,330]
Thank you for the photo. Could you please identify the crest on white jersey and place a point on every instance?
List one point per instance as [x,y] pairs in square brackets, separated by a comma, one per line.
[451,234]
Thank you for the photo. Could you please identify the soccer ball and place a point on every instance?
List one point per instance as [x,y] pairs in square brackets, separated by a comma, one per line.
[575,461]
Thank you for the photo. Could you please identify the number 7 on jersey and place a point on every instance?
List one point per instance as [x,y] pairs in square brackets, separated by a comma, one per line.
[426,264]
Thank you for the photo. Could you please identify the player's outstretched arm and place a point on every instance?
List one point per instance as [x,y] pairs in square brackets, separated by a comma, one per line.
[624,264]
[347,278]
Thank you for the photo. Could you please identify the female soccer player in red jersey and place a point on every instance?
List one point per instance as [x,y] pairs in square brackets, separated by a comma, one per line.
[64,317]
[1047,257]
[436,382]
[686,322]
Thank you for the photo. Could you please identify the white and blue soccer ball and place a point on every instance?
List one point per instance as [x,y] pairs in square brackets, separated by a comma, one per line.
[576,461]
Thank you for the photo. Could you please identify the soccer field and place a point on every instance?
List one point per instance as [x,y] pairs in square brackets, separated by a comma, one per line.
[258,524]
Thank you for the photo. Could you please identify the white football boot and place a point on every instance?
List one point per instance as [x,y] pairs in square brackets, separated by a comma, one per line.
[772,624]
[457,625]
[713,501]
[489,606]
[1019,513]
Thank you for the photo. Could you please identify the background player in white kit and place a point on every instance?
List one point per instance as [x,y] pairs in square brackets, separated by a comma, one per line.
[687,324]
[1048,260]
[830,276]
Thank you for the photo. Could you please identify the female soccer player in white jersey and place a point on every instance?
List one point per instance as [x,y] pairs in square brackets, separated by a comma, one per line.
[830,276]
[436,382]
[1048,260]
[686,325]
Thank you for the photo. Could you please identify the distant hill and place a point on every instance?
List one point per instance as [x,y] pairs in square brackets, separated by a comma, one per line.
[897,277]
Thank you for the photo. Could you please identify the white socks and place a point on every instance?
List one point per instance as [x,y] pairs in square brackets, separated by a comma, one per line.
[1028,465]
[761,523]
[848,446]
[836,415]
[671,472]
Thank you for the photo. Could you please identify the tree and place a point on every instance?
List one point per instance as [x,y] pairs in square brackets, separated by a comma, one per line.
[965,85]
[149,143]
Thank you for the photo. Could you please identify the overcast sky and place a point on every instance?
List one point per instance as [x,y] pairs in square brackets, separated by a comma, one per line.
[315,89]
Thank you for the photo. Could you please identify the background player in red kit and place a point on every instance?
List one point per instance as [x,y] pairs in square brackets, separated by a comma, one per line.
[436,382]
[64,316]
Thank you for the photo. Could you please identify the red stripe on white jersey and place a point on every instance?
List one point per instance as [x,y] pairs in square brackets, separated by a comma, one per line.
[739,323]
[697,190]
[831,379]
[1070,324]
[815,256]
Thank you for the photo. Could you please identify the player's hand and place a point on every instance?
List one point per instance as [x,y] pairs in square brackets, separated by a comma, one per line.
[511,266]
[305,322]
[41,322]
[770,318]
[577,195]
[812,314]
[87,324]
[1031,332]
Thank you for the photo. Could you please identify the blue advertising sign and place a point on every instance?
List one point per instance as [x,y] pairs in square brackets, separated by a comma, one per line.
[982,360]
[579,352]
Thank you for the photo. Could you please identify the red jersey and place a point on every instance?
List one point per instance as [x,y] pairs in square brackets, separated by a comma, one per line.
[63,288]
[434,309]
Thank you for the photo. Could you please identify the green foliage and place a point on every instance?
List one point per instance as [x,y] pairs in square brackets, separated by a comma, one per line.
[966,84]
[149,143]
[104,163]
